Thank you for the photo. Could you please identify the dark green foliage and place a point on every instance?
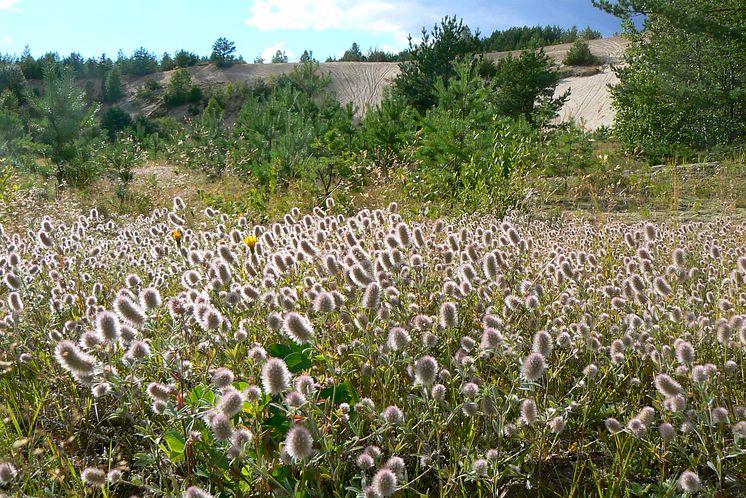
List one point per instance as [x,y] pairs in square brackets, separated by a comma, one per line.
[184,58]
[280,57]
[378,55]
[223,53]
[167,62]
[75,62]
[388,129]
[580,55]
[525,87]
[430,60]
[181,91]
[113,90]
[12,79]
[115,120]
[32,69]
[518,38]
[307,56]
[683,87]
[352,54]
[13,130]
[468,154]
[141,63]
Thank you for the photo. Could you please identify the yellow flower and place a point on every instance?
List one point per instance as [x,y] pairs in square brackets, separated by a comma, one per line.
[177,235]
[250,240]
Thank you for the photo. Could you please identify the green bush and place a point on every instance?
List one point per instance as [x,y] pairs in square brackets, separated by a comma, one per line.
[469,155]
[184,58]
[181,91]
[115,120]
[113,90]
[222,53]
[12,79]
[682,88]
[431,59]
[580,55]
[526,86]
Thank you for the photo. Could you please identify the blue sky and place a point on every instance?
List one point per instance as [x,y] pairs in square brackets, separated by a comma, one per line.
[327,27]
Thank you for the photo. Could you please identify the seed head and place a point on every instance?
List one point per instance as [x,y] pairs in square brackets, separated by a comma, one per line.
[231,403]
[129,311]
[448,315]
[398,339]
[150,298]
[8,473]
[685,353]
[222,377]
[393,415]
[108,327]
[667,431]
[93,477]
[384,482]
[221,427]
[371,296]
[297,328]
[689,482]
[275,376]
[324,303]
[667,386]
[529,412]
[613,425]
[299,443]
[73,359]
[543,343]
[196,492]
[533,367]
[426,370]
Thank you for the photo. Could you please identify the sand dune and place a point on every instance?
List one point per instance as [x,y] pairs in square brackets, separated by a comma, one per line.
[362,83]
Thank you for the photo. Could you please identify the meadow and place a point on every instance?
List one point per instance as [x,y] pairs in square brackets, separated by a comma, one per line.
[334,353]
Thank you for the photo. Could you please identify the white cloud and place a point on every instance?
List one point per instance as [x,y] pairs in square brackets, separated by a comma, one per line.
[370,16]
[270,51]
[7,40]
[9,5]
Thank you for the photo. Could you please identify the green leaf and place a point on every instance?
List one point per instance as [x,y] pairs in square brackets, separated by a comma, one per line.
[279,350]
[175,441]
[342,393]
[297,362]
[294,355]
[201,395]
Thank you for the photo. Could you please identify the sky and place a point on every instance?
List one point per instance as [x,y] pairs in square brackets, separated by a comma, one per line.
[261,27]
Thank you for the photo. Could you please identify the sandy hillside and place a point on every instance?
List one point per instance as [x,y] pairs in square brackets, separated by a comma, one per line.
[590,101]
[362,83]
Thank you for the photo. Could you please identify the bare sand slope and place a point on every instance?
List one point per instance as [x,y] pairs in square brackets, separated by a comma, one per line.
[590,101]
[609,50]
[363,83]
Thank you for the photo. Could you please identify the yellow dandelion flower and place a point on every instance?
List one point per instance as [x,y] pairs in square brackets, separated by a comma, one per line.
[250,240]
[177,235]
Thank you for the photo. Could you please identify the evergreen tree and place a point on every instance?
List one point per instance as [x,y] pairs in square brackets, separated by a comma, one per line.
[113,90]
[280,57]
[222,53]
[353,54]
[63,116]
[430,60]
[683,84]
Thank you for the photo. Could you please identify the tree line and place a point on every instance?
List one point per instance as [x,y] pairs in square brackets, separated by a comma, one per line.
[142,61]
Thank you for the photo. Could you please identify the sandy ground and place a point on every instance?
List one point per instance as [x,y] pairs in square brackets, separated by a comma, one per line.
[362,83]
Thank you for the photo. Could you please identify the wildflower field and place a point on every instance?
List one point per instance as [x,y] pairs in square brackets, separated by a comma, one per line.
[189,353]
